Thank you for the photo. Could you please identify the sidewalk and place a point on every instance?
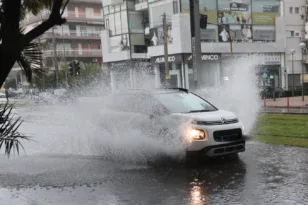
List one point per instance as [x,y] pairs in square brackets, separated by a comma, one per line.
[292,102]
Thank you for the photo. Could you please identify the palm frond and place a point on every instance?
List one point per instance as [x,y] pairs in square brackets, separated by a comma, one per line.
[9,137]
[35,6]
[30,61]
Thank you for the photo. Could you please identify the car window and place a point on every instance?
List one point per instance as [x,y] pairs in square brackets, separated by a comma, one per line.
[182,102]
[135,102]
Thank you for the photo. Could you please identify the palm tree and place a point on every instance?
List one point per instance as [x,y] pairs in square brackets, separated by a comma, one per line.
[17,46]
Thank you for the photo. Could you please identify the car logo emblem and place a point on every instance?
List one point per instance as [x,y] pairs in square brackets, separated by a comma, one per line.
[223,121]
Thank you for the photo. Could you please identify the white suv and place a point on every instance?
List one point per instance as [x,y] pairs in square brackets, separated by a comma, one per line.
[204,129]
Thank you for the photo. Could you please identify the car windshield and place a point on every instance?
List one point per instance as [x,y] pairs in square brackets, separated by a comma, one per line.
[182,102]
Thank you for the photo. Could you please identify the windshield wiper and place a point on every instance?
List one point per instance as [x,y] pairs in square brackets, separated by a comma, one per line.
[192,111]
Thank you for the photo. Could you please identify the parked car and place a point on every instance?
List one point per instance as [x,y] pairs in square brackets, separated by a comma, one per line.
[270,92]
[204,130]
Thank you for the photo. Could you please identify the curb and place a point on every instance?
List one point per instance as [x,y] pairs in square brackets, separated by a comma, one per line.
[285,113]
[297,107]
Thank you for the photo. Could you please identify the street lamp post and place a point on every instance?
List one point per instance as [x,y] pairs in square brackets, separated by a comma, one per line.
[292,51]
[302,45]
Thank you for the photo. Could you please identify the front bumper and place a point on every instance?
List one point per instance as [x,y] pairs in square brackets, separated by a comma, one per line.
[219,149]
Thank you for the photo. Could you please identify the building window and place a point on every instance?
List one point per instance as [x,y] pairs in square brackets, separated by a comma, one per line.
[135,22]
[83,30]
[297,10]
[106,10]
[112,24]
[124,22]
[208,7]
[291,10]
[297,33]
[265,11]
[292,33]
[263,33]
[231,12]
[117,23]
[111,9]
[107,23]
[175,7]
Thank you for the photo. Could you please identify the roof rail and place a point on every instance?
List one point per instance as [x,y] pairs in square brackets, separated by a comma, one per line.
[181,89]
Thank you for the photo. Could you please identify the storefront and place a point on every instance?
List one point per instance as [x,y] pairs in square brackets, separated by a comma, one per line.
[208,75]
[175,70]
[131,74]
[267,67]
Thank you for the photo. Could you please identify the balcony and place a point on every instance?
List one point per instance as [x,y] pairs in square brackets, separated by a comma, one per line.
[78,53]
[83,35]
[70,17]
[87,1]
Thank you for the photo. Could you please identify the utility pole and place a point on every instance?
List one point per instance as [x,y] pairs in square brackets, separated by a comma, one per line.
[165,28]
[55,57]
[195,38]
[230,41]
[293,84]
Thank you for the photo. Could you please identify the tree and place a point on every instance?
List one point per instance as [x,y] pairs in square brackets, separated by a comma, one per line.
[17,46]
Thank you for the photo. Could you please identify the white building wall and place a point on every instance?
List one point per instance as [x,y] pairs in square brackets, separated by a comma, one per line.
[181,35]
[108,56]
[295,24]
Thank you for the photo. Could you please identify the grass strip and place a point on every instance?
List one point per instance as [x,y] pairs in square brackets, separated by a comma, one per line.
[282,129]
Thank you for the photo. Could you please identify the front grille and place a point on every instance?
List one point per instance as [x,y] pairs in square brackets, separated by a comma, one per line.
[231,121]
[227,135]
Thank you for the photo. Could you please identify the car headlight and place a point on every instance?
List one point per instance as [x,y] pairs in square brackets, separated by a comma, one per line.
[196,134]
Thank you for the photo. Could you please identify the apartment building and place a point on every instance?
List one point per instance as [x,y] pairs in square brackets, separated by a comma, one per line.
[78,39]
[295,17]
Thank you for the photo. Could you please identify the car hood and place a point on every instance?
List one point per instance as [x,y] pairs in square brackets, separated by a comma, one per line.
[207,116]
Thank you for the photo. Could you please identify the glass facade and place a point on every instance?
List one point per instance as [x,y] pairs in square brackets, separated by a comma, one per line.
[125,24]
[247,21]
[115,17]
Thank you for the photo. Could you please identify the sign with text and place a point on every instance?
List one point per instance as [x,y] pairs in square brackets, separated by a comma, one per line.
[171,59]
[264,18]
[208,35]
[264,35]
[205,57]
[238,6]
[264,12]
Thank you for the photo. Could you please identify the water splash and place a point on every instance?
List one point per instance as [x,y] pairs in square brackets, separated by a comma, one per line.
[86,126]
[239,92]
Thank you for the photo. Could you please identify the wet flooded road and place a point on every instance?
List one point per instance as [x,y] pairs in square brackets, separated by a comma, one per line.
[264,174]
[60,169]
